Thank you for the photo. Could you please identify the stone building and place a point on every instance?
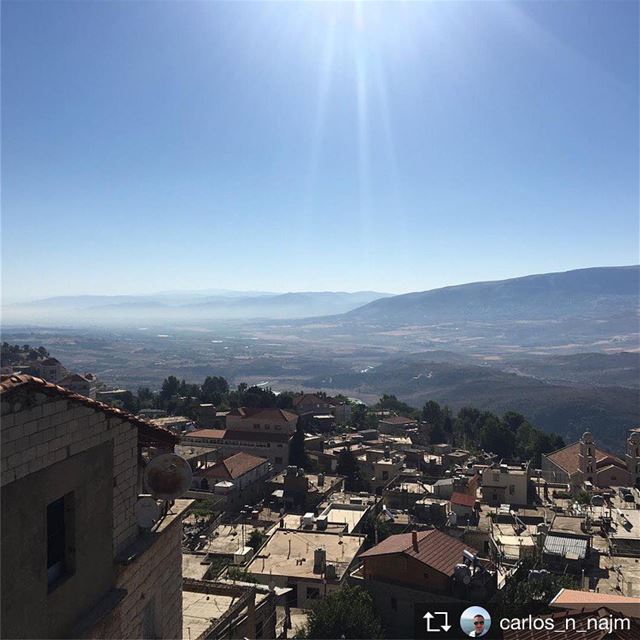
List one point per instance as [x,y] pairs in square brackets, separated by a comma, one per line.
[74,562]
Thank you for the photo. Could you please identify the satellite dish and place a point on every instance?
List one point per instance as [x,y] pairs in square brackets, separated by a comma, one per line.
[147,511]
[168,476]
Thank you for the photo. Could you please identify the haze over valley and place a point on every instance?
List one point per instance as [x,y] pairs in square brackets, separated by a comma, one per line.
[560,348]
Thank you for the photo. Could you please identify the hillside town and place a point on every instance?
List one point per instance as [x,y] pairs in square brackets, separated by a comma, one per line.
[288,511]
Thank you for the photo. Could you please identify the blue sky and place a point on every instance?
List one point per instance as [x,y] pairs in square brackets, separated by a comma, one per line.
[314,146]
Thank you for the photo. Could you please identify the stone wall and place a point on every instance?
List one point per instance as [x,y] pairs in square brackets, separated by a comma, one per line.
[39,431]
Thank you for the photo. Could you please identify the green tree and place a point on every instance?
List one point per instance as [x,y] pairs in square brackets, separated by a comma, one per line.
[297,452]
[256,539]
[348,612]
[359,417]
[348,466]
[432,413]
[170,389]
[523,596]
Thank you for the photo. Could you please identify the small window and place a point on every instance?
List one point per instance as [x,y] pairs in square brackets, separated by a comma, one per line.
[60,539]
[277,428]
[256,426]
[394,604]
[512,489]
[385,475]
[267,427]
[313,593]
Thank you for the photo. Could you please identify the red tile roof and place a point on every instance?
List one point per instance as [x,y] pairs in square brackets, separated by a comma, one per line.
[568,457]
[238,434]
[463,499]
[574,599]
[263,414]
[234,466]
[148,433]
[436,549]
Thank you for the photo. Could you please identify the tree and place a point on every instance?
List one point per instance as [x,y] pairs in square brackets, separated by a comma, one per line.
[437,435]
[256,539]
[391,403]
[170,388]
[432,413]
[348,466]
[213,389]
[348,612]
[297,453]
[523,596]
[497,438]
[359,417]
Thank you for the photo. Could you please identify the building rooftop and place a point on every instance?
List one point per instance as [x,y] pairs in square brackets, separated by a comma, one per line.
[568,457]
[290,553]
[263,414]
[569,548]
[463,499]
[574,599]
[436,549]
[398,420]
[234,466]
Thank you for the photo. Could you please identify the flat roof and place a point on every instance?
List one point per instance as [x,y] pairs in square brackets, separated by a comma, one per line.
[201,610]
[290,553]
[337,514]
[192,566]
[227,538]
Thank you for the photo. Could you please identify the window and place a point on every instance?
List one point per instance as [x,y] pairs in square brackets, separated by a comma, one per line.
[313,593]
[277,427]
[385,475]
[60,539]
[279,446]
[256,426]
[394,604]
[512,489]
[267,427]
[589,451]
[149,620]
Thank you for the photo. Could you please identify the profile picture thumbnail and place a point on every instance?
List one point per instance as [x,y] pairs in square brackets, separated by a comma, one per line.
[475,622]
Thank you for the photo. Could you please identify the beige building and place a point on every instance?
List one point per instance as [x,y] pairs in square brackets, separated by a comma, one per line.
[312,564]
[74,562]
[261,420]
[505,484]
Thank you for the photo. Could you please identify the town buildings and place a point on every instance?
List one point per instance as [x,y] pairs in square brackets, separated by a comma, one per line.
[264,433]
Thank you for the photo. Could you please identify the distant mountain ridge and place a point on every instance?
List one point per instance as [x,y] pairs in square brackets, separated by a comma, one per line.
[185,306]
[585,293]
